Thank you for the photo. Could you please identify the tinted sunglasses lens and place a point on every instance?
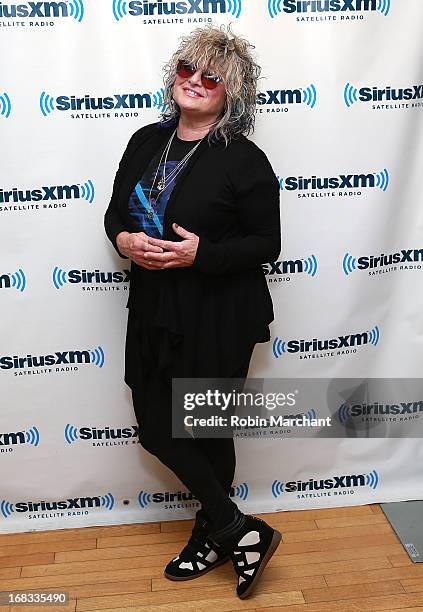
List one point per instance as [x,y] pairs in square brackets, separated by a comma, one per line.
[184,69]
[210,82]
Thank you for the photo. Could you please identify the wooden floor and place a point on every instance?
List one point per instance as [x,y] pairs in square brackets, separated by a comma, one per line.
[331,560]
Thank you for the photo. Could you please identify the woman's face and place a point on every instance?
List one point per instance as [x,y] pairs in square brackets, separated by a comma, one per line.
[192,97]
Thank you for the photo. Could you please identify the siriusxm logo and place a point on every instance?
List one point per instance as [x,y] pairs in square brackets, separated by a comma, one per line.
[61,277]
[29,436]
[369,262]
[327,6]
[369,180]
[5,105]
[347,412]
[52,193]
[281,347]
[15,280]
[375,94]
[291,266]
[138,8]
[74,434]
[49,103]
[32,10]
[370,480]
[279,97]
[91,357]
[105,502]
[160,497]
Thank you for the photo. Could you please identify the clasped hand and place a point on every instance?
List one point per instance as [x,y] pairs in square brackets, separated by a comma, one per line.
[156,254]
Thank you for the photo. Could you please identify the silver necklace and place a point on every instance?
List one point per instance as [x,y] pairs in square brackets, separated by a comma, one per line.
[166,180]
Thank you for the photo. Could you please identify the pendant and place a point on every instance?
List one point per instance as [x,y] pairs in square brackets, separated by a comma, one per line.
[150,214]
[160,185]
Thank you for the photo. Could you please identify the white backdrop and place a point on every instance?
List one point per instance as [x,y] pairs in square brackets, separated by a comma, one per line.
[341,98]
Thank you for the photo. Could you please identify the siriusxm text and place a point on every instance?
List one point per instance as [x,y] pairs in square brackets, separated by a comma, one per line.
[400,408]
[57,358]
[350,480]
[168,496]
[86,277]
[304,346]
[35,9]
[321,6]
[181,7]
[53,192]
[76,502]
[107,433]
[405,255]
[283,267]
[292,183]
[279,96]
[369,94]
[128,100]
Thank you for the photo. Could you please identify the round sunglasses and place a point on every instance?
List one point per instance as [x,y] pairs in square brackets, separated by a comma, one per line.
[186,70]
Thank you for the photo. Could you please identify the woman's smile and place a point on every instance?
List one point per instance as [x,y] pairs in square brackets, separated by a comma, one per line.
[191,93]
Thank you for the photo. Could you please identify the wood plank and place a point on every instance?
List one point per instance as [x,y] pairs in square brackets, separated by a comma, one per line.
[400,560]
[183,525]
[169,548]
[57,582]
[288,526]
[349,592]
[91,590]
[338,543]
[70,606]
[351,521]
[110,588]
[299,515]
[332,555]
[414,585]
[365,604]
[10,572]
[30,537]
[141,540]
[45,547]
[23,560]
[179,602]
[339,532]
[357,577]
[76,567]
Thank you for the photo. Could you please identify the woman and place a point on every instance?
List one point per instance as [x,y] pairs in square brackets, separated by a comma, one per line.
[195,206]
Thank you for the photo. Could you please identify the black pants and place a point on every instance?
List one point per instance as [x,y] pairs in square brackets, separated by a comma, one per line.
[206,466]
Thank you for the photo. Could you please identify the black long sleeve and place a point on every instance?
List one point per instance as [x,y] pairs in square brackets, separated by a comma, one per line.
[113,221]
[257,197]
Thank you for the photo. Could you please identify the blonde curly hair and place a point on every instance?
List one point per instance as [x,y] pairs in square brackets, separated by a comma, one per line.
[230,57]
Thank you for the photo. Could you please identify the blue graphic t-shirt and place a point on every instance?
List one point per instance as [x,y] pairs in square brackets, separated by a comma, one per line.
[149,217]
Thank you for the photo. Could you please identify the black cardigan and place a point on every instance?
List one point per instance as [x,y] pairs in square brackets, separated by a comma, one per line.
[229,196]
